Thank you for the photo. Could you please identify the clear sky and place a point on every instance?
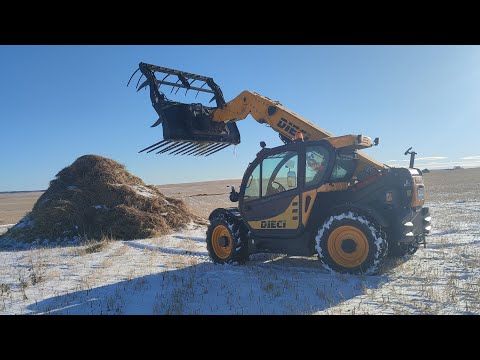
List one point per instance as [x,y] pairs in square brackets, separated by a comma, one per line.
[60,102]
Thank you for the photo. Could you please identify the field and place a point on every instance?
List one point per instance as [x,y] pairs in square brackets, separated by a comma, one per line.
[173,274]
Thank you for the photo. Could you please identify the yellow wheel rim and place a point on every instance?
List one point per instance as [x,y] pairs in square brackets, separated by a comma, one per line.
[348,246]
[218,234]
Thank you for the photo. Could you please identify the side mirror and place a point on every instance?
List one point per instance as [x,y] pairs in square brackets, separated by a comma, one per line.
[234,196]
[292,179]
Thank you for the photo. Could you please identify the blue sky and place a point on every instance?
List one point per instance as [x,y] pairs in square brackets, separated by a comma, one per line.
[60,102]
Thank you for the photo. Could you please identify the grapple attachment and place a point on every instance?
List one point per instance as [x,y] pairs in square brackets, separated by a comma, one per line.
[188,129]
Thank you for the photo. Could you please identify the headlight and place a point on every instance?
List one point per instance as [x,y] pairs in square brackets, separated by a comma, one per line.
[421,193]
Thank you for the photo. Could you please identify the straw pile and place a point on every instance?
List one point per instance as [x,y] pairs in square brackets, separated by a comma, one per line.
[96,197]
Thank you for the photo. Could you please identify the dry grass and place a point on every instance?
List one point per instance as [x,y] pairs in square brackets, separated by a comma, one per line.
[94,246]
[95,196]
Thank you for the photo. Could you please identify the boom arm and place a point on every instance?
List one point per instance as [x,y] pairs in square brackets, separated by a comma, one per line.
[283,121]
[196,129]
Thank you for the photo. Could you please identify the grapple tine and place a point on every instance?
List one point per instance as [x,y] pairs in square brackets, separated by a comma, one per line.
[194,148]
[198,147]
[181,148]
[176,82]
[149,147]
[213,152]
[217,146]
[201,87]
[187,149]
[204,149]
[207,149]
[189,86]
[160,82]
[159,146]
[180,145]
[131,77]
[138,82]
[173,146]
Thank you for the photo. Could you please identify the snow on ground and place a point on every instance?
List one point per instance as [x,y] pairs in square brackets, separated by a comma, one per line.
[173,275]
[142,190]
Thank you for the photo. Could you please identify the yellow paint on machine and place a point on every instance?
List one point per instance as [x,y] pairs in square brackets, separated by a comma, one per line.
[288,220]
[306,214]
[340,186]
[284,121]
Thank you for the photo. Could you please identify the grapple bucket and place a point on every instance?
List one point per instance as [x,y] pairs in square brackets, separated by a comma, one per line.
[188,129]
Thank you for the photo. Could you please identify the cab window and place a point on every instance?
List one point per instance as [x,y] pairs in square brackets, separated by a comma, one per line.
[316,161]
[344,168]
[252,191]
[275,174]
[279,173]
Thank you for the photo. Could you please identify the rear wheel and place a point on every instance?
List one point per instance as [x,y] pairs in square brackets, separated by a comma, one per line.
[226,241]
[351,243]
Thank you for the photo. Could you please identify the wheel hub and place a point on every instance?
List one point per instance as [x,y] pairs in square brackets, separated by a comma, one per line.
[349,246]
[223,241]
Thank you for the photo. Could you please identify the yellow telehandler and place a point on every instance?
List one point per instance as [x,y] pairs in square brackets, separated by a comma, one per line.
[315,194]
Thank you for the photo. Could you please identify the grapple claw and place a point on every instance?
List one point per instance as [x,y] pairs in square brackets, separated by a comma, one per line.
[145,83]
[189,126]
[156,123]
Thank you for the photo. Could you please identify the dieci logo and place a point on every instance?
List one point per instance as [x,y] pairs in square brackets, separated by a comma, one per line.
[292,129]
[274,224]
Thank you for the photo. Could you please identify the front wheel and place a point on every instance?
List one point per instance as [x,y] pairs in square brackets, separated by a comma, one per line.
[226,241]
[351,243]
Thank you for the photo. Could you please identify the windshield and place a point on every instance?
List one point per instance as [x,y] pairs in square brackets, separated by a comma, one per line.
[274,174]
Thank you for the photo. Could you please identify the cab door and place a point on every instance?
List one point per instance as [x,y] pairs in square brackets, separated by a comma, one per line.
[270,193]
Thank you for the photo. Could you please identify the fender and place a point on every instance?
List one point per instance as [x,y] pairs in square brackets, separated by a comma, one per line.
[226,212]
[363,210]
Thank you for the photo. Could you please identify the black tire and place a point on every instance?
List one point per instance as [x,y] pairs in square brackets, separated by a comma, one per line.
[351,243]
[237,251]
[402,249]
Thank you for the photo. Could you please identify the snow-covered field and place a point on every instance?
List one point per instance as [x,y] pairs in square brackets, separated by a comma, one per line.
[173,275]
